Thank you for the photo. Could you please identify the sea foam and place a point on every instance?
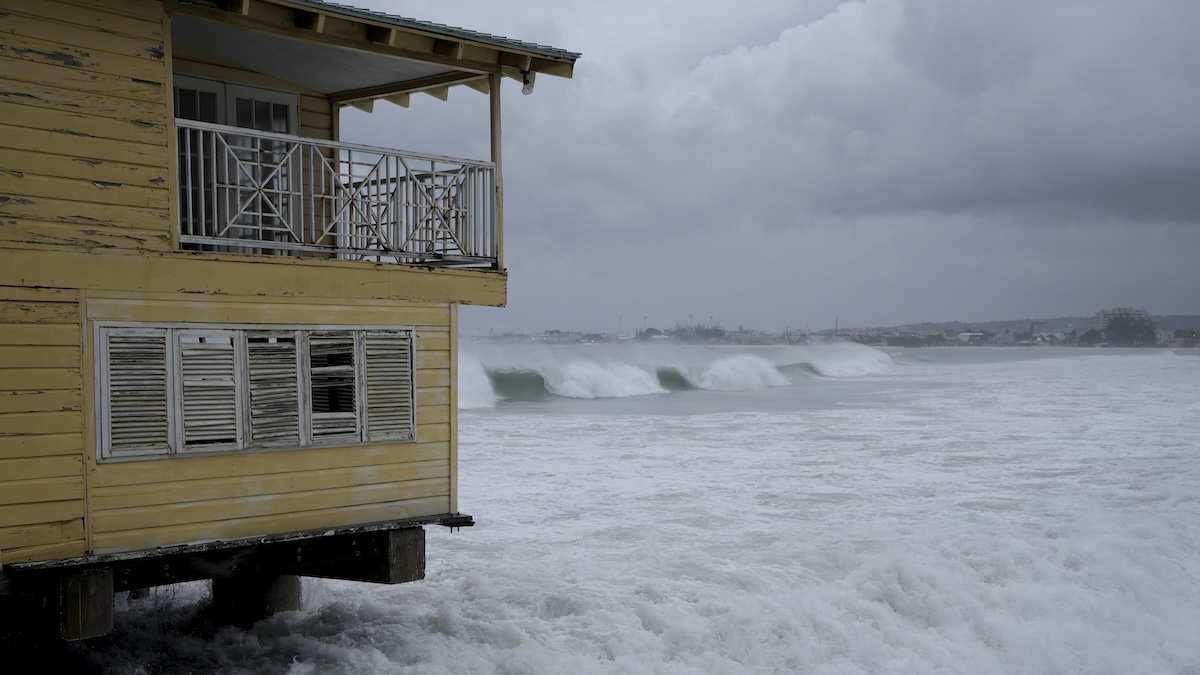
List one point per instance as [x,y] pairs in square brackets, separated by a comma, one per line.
[741,372]
[474,387]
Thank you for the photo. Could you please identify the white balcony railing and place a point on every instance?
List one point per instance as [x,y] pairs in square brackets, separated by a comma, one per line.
[247,191]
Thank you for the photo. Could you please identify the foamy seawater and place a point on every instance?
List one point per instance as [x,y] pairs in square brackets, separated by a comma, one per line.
[805,509]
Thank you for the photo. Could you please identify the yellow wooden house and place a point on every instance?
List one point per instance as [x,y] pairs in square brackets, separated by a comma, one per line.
[227,338]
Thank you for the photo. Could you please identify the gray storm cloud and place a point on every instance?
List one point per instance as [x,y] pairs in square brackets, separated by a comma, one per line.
[1004,158]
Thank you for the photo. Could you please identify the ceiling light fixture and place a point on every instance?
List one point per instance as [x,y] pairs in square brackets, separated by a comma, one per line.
[526,82]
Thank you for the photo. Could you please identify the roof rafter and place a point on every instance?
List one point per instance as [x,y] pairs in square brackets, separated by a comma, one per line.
[431,84]
[247,21]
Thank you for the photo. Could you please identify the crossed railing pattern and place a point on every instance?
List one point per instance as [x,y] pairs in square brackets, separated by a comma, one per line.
[247,191]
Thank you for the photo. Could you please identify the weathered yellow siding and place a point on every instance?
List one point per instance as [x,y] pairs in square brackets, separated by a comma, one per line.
[84,160]
[308,280]
[186,499]
[86,166]
[87,234]
[41,425]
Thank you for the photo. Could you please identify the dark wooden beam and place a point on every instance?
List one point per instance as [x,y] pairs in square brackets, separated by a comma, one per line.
[449,48]
[314,21]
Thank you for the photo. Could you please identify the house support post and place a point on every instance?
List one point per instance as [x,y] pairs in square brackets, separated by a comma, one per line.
[406,556]
[244,599]
[85,604]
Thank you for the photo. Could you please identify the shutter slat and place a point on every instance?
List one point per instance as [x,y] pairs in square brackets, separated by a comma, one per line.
[137,392]
[389,386]
[274,389]
[209,385]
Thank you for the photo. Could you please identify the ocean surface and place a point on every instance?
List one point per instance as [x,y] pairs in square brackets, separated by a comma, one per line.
[804,509]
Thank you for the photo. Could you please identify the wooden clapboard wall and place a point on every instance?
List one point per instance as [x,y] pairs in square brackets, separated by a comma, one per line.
[86,235]
[163,501]
[41,425]
[84,160]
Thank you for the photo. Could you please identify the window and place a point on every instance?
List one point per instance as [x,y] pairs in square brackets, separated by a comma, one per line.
[331,364]
[240,105]
[194,389]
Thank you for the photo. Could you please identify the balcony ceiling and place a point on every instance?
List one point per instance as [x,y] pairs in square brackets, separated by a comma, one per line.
[329,69]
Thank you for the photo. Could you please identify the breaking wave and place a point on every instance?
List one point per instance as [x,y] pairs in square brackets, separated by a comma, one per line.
[490,373]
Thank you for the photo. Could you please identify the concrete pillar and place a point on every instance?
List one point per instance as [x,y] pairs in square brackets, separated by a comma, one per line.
[244,599]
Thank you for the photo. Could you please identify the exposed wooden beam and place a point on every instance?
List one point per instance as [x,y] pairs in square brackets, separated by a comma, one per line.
[406,87]
[235,6]
[555,68]
[481,85]
[488,64]
[401,100]
[365,105]
[314,21]
[449,48]
[381,35]
[513,64]
[440,93]
[461,54]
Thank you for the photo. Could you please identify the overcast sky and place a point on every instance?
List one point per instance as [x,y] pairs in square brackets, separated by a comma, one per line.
[782,163]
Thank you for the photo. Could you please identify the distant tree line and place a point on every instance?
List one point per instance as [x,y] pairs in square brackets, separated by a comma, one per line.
[1123,331]
[697,332]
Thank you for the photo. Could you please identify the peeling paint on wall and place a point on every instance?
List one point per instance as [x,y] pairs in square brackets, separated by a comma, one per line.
[57,57]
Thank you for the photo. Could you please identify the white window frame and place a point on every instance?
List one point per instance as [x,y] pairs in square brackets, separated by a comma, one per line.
[389,427]
[227,93]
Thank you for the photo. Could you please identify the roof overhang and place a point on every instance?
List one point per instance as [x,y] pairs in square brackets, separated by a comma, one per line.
[355,56]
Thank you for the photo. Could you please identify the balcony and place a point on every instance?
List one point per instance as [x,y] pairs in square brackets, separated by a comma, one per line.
[253,192]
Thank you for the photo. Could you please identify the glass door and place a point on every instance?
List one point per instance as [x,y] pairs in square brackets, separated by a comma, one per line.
[268,197]
[200,101]
[236,186]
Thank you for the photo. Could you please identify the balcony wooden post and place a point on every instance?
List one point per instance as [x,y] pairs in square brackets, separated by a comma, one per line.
[494,97]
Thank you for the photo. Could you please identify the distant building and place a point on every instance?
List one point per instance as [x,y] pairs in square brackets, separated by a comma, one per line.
[560,337]
[1106,316]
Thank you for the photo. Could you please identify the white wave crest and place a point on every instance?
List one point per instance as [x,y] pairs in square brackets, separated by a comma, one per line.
[845,359]
[474,387]
[617,371]
[588,379]
[741,372]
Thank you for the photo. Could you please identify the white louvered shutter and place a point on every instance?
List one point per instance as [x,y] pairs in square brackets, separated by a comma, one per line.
[209,391]
[137,412]
[334,390]
[389,385]
[274,388]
